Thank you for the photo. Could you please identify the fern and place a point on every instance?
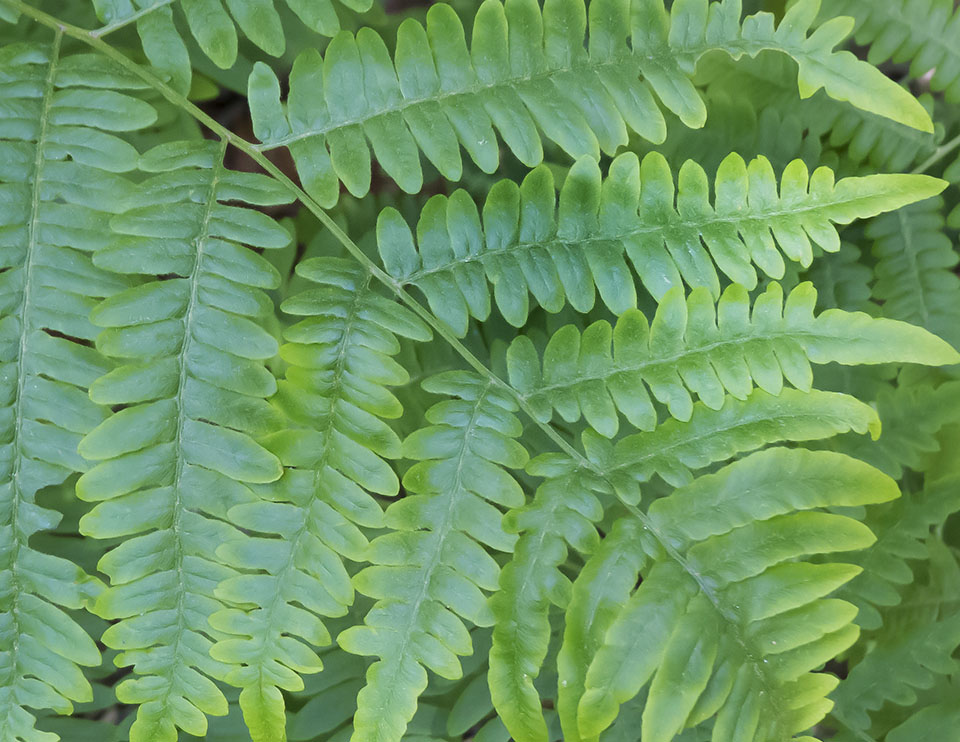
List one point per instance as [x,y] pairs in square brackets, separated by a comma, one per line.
[192,383]
[315,511]
[382,468]
[368,96]
[430,571]
[915,261]
[52,137]
[894,30]
[528,245]
[693,345]
[715,552]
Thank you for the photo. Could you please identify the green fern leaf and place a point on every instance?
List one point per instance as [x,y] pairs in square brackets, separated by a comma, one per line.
[431,571]
[526,245]
[335,391]
[693,345]
[562,514]
[181,451]
[915,273]
[529,74]
[726,623]
[215,24]
[58,157]
[895,30]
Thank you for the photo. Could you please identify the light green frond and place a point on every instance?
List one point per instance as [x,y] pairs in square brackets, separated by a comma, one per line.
[432,570]
[924,36]
[564,509]
[335,395]
[528,74]
[59,156]
[916,277]
[180,452]
[671,233]
[216,25]
[694,345]
[729,620]
[562,513]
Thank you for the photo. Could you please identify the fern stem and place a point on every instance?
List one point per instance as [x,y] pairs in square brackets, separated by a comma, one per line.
[942,151]
[127,20]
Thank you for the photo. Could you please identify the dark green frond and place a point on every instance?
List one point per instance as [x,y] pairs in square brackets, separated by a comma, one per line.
[915,273]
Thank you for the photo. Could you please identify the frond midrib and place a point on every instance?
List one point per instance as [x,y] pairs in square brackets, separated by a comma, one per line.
[676,223]
[446,525]
[178,507]
[741,340]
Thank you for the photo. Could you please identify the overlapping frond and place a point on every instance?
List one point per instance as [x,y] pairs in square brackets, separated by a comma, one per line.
[529,74]
[59,155]
[899,30]
[562,514]
[729,619]
[672,234]
[216,25]
[710,349]
[432,570]
[902,529]
[916,279]
[335,395]
[181,450]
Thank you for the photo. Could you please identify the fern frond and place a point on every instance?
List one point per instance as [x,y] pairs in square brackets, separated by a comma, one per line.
[726,622]
[181,451]
[842,280]
[694,345]
[527,244]
[214,24]
[562,514]
[898,30]
[59,156]
[529,74]
[431,571]
[766,85]
[902,529]
[915,270]
[913,651]
[336,393]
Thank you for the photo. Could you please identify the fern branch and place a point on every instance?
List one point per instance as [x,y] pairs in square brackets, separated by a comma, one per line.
[193,386]
[584,99]
[429,573]
[565,508]
[335,394]
[526,245]
[56,142]
[694,345]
